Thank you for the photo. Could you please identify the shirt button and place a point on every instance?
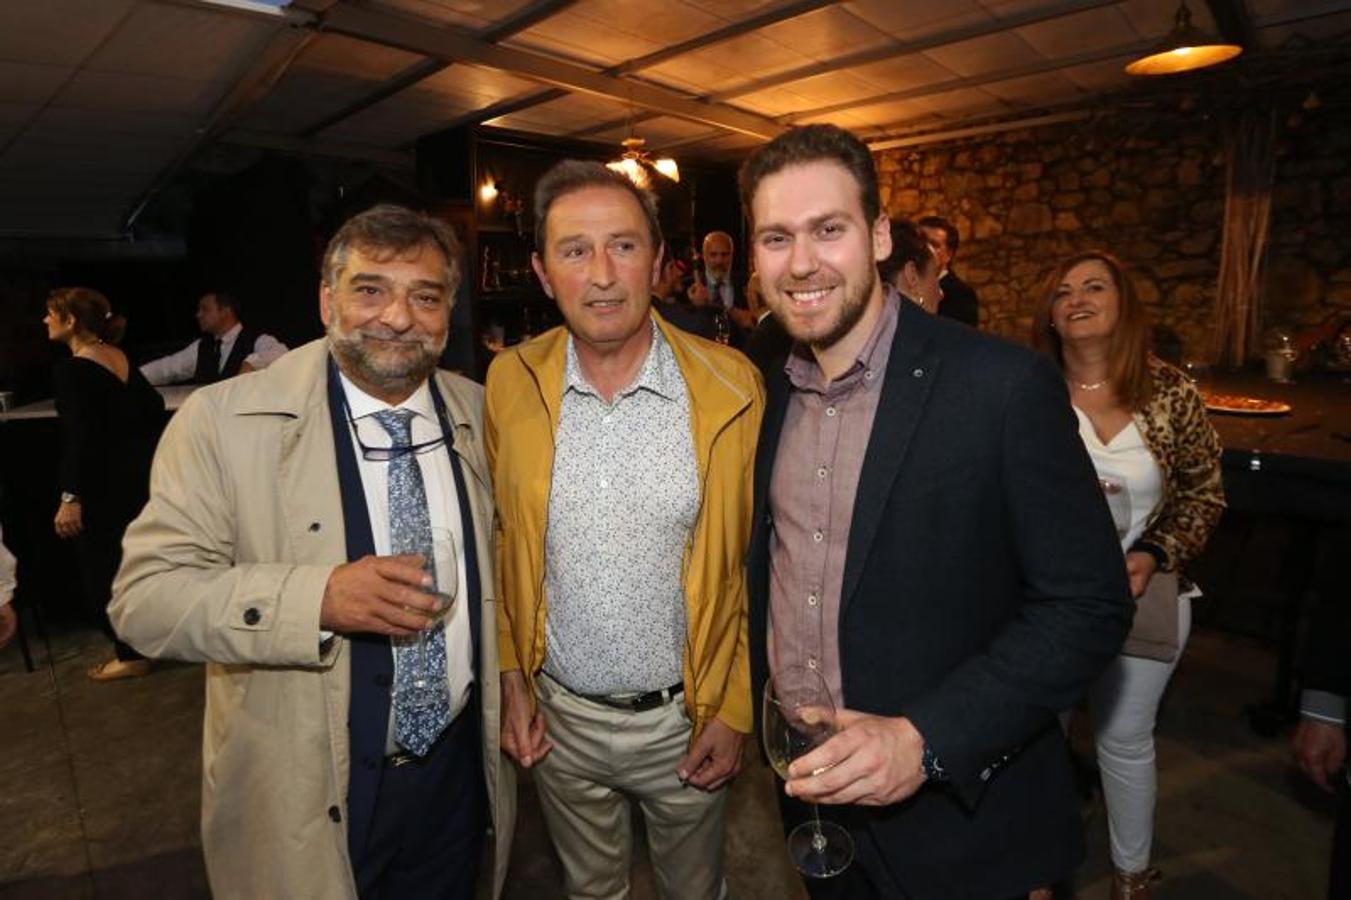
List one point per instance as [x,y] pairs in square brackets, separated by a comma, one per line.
[868,375]
[604,482]
[812,663]
[830,411]
[822,472]
[918,373]
[812,600]
[818,536]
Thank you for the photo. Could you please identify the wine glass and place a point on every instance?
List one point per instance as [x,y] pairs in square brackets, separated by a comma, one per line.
[798,717]
[427,686]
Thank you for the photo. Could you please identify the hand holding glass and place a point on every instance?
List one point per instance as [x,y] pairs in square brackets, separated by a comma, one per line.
[799,716]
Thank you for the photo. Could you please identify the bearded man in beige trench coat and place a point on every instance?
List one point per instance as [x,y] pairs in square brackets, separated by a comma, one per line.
[249,557]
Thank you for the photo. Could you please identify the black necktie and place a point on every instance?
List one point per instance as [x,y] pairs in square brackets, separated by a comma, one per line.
[213,355]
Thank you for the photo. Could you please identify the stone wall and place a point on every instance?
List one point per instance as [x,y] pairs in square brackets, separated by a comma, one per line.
[1154,195]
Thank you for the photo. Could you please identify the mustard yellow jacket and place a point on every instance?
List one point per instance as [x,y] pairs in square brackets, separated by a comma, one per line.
[524,396]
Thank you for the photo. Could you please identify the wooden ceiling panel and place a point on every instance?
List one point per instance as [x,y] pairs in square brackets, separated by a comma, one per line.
[29,82]
[909,21]
[176,42]
[991,53]
[57,32]
[472,14]
[1094,29]
[92,90]
[912,70]
[826,33]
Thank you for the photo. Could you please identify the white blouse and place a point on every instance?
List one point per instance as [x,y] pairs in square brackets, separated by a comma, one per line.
[1131,480]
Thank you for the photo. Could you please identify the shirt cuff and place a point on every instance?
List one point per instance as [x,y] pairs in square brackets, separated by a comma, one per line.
[1323,706]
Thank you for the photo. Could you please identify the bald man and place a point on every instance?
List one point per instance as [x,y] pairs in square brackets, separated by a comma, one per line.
[722,289]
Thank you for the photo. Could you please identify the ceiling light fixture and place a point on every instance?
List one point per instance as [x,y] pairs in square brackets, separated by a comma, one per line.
[1185,49]
[636,164]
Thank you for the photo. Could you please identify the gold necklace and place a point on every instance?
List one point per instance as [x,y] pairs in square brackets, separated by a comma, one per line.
[1094,386]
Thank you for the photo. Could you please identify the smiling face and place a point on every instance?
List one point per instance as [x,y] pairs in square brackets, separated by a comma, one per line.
[388,317]
[1087,303]
[599,265]
[718,255]
[816,253]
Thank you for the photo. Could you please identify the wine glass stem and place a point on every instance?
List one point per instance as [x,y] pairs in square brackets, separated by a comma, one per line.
[818,839]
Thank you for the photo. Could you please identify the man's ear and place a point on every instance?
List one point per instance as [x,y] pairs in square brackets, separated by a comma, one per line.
[537,264]
[881,238]
[325,304]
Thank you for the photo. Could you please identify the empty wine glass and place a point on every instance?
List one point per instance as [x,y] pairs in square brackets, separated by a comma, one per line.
[428,686]
[799,716]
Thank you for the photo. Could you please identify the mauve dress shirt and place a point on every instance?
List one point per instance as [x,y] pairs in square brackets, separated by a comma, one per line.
[811,500]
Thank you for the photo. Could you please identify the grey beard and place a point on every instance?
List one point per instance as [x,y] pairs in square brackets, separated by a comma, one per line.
[394,377]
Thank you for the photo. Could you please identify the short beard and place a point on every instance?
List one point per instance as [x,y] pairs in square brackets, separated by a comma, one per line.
[851,312]
[395,377]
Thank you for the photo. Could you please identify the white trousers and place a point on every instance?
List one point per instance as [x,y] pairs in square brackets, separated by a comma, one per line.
[1124,703]
[603,756]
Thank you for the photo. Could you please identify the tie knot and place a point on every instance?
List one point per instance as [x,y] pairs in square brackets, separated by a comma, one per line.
[398,424]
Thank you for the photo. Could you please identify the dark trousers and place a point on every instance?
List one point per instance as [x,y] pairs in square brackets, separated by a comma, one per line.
[98,550]
[427,831]
[868,876]
[1339,882]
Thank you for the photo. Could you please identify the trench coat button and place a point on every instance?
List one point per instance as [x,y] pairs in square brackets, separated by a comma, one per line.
[383,680]
[314,526]
[335,814]
[368,762]
[252,616]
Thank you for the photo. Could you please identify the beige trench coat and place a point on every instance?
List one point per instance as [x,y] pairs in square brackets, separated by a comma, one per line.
[227,565]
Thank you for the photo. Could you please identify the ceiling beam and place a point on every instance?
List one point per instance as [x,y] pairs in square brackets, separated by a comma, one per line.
[263,140]
[1232,19]
[527,17]
[906,48]
[283,46]
[954,84]
[455,45]
[934,137]
[504,107]
[732,30]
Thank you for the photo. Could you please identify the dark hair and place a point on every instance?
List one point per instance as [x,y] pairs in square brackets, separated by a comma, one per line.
[91,311]
[1128,350]
[812,143]
[224,299]
[392,230]
[907,245]
[570,175]
[950,235]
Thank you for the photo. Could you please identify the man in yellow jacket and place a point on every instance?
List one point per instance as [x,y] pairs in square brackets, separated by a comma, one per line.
[621,452]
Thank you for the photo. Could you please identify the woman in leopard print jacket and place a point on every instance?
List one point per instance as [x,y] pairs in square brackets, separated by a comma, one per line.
[1158,459]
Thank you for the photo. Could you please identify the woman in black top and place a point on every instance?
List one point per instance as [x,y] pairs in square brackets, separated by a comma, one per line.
[110,421]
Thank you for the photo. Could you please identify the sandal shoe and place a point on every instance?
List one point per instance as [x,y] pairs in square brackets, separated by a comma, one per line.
[1134,885]
[117,669]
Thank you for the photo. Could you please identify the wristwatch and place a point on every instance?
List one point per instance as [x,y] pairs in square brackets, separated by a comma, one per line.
[932,768]
[68,497]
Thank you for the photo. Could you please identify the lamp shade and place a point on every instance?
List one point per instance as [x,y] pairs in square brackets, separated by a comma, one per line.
[1185,49]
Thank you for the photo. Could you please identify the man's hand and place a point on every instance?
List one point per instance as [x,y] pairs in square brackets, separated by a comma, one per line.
[523,735]
[1140,567]
[69,520]
[378,595]
[1320,750]
[872,761]
[246,367]
[714,757]
[9,623]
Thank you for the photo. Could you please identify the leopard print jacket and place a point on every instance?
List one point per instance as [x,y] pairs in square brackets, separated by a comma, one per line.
[1187,448]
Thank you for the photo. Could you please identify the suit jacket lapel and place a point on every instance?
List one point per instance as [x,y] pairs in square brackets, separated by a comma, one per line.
[911,371]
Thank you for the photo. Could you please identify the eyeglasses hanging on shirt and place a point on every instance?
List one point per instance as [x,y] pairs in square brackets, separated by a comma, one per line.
[385,454]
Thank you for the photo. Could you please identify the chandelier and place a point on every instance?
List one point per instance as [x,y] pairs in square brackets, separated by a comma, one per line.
[637,165]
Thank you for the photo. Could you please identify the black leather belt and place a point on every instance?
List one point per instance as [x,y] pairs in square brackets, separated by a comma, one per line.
[638,702]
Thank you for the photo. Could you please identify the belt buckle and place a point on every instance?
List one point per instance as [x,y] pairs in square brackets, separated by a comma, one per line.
[650,700]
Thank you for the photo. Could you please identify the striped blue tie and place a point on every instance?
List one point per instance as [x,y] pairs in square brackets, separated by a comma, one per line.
[410,531]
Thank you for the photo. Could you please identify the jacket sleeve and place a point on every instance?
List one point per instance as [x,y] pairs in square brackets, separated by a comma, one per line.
[180,592]
[1075,609]
[506,647]
[1196,495]
[737,710]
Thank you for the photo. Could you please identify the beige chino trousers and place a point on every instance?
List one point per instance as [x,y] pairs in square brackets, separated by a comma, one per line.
[601,757]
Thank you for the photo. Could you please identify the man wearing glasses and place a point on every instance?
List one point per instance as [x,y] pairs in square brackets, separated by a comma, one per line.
[285,544]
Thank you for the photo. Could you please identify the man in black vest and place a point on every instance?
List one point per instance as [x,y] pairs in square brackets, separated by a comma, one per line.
[225,348]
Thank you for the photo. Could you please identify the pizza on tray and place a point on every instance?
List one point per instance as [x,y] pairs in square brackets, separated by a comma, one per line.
[1249,406]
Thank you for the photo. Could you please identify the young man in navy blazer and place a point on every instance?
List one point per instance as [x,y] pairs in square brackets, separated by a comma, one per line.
[930,537]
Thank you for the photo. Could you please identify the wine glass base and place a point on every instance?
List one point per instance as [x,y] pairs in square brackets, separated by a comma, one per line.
[820,852]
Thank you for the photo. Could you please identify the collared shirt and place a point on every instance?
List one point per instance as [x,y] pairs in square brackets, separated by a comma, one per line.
[442,505]
[182,365]
[811,499]
[622,503]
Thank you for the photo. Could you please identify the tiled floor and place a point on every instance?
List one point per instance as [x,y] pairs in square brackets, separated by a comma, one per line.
[99,792]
